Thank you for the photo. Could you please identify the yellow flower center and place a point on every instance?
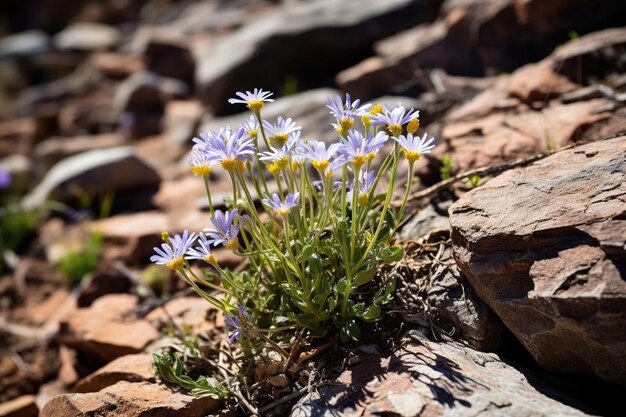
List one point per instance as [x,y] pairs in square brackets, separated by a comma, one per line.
[255,105]
[329,174]
[165,237]
[320,165]
[230,164]
[413,125]
[395,130]
[283,162]
[295,166]
[371,156]
[282,212]
[281,138]
[210,259]
[201,170]
[273,168]
[232,245]
[376,109]
[411,155]
[341,131]
[346,123]
[253,133]
[176,263]
[359,160]
[362,198]
[366,120]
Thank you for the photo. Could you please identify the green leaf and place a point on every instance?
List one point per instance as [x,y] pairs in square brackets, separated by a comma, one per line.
[372,313]
[365,276]
[391,254]
[315,262]
[350,330]
[306,252]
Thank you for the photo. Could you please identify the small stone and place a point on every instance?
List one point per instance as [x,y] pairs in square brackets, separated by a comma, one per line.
[24,406]
[87,37]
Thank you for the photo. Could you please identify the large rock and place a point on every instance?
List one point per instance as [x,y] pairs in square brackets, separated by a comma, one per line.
[129,399]
[322,37]
[87,37]
[477,38]
[56,148]
[544,246]
[131,368]
[96,172]
[431,379]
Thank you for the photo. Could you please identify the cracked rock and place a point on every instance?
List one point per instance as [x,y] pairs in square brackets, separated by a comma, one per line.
[545,247]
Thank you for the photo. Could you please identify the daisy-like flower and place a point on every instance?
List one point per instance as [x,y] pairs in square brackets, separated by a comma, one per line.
[251,127]
[395,119]
[172,252]
[241,323]
[229,148]
[278,158]
[202,252]
[317,154]
[366,180]
[345,113]
[358,149]
[413,146]
[282,129]
[199,161]
[282,208]
[254,100]
[224,231]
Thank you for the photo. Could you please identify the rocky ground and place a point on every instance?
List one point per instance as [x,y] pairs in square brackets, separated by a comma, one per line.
[512,298]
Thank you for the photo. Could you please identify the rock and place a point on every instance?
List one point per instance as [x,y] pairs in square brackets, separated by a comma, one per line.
[431,379]
[131,368]
[96,172]
[104,280]
[84,36]
[166,53]
[24,44]
[54,149]
[544,246]
[194,313]
[255,56]
[477,38]
[182,118]
[130,399]
[101,332]
[116,65]
[20,407]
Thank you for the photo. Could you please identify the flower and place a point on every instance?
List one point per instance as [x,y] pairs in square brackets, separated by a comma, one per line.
[199,161]
[241,323]
[413,146]
[395,118]
[345,112]
[202,252]
[358,149]
[316,153]
[254,100]
[279,158]
[228,147]
[282,207]
[364,184]
[282,129]
[5,178]
[225,230]
[251,127]
[172,252]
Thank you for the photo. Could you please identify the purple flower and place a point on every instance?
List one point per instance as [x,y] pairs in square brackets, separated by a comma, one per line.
[251,127]
[227,147]
[316,153]
[413,146]
[199,161]
[345,112]
[278,158]
[282,208]
[364,185]
[254,100]
[395,118]
[5,178]
[241,324]
[172,252]
[281,129]
[225,230]
[202,252]
[358,149]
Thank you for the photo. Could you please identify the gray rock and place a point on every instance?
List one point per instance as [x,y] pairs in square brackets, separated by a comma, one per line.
[545,247]
[24,44]
[427,379]
[94,172]
[309,40]
[87,37]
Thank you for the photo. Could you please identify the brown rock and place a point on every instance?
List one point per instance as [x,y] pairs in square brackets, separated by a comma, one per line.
[194,313]
[52,150]
[130,400]
[544,246]
[131,368]
[101,331]
[430,379]
[20,407]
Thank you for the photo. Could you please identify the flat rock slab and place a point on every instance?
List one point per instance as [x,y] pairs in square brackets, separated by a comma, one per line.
[545,247]
[130,400]
[131,368]
[425,378]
